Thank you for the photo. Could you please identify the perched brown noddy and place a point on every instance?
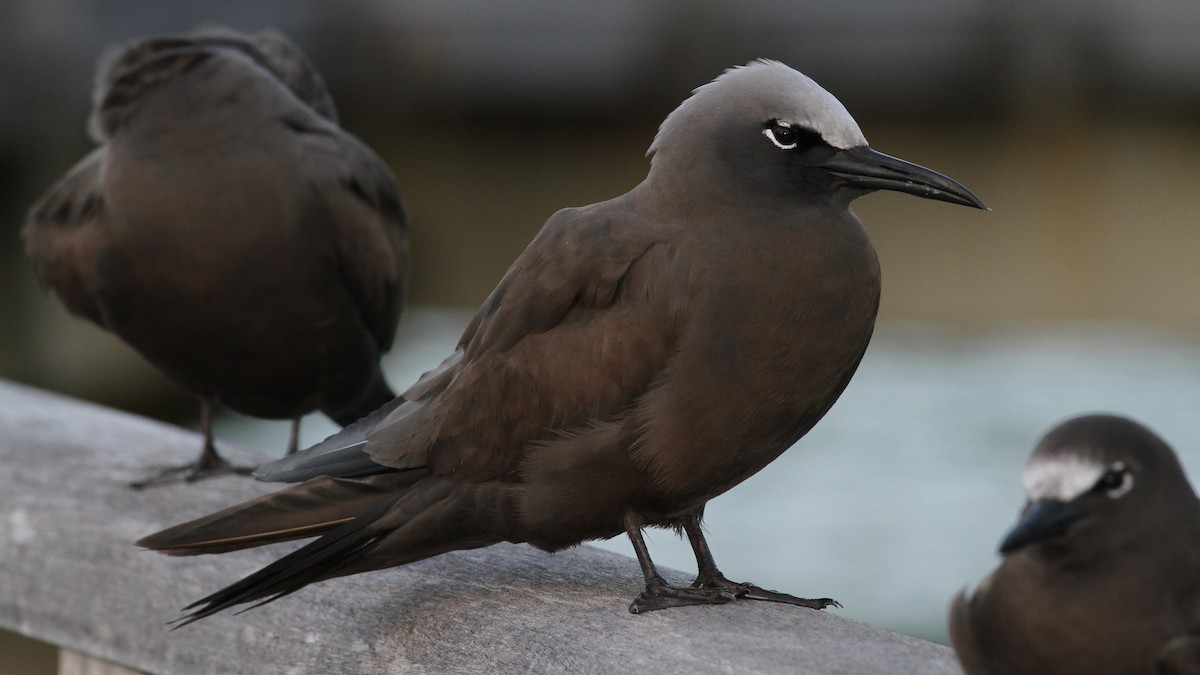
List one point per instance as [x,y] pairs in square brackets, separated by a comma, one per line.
[1102,572]
[230,231]
[642,356]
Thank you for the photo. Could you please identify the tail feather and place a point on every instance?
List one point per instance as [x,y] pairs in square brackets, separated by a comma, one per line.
[318,560]
[430,517]
[306,510]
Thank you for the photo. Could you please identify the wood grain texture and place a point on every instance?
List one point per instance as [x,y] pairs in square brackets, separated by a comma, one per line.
[70,575]
[74,663]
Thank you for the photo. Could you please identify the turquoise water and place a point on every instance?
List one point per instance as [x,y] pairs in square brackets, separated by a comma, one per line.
[897,498]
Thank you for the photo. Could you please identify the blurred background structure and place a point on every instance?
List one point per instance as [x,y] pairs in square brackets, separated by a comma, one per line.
[1077,122]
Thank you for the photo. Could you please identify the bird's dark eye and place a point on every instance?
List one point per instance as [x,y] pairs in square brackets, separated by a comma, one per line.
[1115,482]
[785,136]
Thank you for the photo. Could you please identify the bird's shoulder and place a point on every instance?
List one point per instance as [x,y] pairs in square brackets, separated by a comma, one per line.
[577,261]
[591,311]
[62,232]
[341,159]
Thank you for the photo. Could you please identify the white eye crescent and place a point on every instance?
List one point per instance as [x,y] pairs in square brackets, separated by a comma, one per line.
[781,134]
[1115,482]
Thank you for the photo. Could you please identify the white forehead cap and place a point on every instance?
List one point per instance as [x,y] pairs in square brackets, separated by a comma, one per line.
[763,90]
[1062,476]
[801,101]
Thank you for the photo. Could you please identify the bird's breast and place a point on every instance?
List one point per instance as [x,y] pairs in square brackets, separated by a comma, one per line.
[1033,617]
[774,339]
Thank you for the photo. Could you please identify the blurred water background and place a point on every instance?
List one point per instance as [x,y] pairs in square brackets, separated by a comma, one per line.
[1077,122]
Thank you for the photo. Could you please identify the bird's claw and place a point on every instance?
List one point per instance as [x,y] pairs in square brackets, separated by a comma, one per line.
[756,593]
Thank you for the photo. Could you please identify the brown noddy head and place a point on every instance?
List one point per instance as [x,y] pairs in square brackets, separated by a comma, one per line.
[772,129]
[1099,573]
[128,70]
[1093,484]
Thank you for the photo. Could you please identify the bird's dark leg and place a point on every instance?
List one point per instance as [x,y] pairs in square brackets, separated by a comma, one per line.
[708,576]
[659,594]
[208,464]
[294,438]
[209,460]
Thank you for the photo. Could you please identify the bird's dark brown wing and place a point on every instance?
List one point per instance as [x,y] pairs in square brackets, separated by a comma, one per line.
[962,636]
[361,197]
[63,232]
[578,328]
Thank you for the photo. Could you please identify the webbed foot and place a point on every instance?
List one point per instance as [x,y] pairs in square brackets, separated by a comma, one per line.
[661,595]
[206,467]
[751,592]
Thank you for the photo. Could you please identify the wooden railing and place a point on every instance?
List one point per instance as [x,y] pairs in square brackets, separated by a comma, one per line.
[70,576]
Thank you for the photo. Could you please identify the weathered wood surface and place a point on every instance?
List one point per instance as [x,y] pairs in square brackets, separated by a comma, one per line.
[69,575]
[74,663]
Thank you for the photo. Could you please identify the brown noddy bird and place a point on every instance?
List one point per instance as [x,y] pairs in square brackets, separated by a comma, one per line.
[1101,574]
[642,356]
[230,231]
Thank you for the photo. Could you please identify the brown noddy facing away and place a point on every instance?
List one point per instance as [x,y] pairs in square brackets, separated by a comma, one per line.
[230,231]
[1102,572]
[642,356]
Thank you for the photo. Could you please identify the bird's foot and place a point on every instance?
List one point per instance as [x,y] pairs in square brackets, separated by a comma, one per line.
[662,595]
[190,473]
[752,592]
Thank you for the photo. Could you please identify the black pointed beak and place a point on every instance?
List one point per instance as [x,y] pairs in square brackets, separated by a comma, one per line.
[867,169]
[1042,519]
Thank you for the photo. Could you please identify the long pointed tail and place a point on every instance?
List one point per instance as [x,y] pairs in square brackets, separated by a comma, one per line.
[322,559]
[306,510]
[394,524]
